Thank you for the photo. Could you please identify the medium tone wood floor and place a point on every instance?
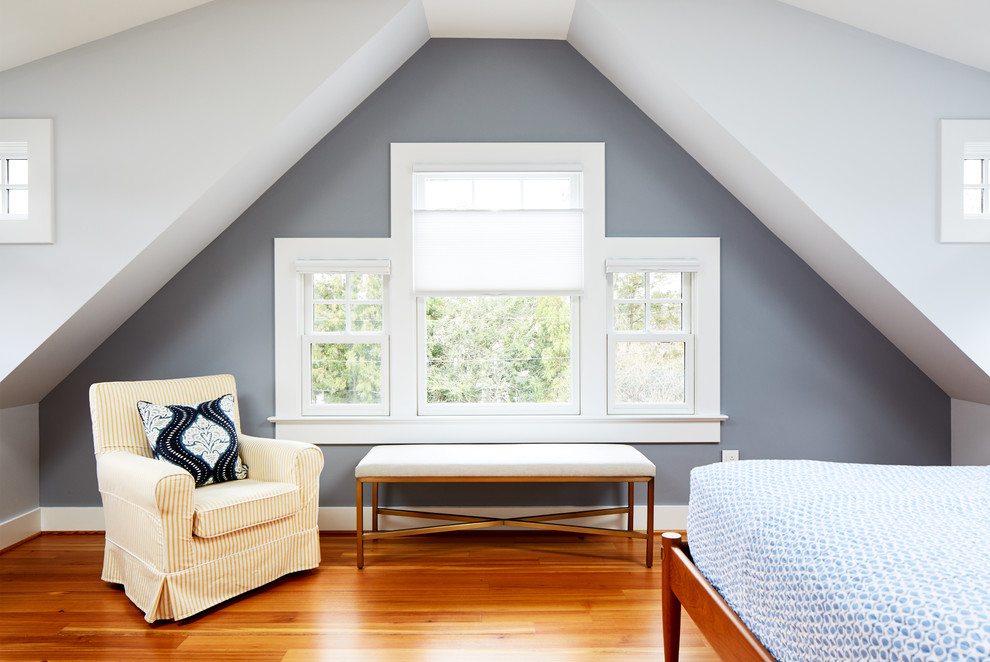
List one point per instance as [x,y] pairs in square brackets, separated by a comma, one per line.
[467,597]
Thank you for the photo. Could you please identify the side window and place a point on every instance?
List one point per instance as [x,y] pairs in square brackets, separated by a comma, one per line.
[26,187]
[976,203]
[344,342]
[651,337]
[13,180]
[965,187]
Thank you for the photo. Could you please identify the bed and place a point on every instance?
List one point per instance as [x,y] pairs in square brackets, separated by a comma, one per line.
[794,560]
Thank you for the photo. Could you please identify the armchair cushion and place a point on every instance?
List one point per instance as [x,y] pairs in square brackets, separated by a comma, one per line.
[227,507]
[202,439]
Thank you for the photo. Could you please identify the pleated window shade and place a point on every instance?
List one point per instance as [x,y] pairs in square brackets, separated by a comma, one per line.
[498,233]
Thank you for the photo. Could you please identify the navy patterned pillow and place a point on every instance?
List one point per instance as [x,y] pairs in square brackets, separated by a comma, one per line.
[201,439]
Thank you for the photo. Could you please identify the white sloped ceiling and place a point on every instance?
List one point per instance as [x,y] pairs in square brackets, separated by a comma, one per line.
[828,133]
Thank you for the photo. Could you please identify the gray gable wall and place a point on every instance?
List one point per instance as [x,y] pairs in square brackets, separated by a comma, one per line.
[803,374]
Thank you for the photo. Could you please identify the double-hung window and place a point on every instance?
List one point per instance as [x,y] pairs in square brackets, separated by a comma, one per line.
[976,181]
[13,180]
[498,269]
[651,341]
[345,341]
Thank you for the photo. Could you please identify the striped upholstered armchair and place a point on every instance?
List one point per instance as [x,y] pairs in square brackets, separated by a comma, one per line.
[179,548]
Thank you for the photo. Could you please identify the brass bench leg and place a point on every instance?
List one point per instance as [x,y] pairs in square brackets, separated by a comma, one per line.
[649,524]
[630,501]
[374,507]
[359,526]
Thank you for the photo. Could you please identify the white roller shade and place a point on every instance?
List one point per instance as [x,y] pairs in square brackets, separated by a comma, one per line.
[498,252]
[304,266]
[623,265]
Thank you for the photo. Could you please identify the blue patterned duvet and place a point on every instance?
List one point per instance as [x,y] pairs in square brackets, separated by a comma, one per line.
[827,561]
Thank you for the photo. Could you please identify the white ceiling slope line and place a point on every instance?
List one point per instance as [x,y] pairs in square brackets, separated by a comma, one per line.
[645,81]
[33,29]
[270,156]
[953,29]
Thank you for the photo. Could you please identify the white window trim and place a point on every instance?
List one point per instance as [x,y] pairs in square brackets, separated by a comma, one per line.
[37,227]
[293,259]
[593,423]
[955,225]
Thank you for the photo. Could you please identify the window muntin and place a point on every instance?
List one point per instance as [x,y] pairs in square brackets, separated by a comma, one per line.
[495,191]
[344,343]
[651,339]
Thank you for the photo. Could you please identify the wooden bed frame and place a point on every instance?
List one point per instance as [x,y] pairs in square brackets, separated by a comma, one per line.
[685,586]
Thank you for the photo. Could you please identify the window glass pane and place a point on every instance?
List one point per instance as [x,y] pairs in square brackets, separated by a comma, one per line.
[17,172]
[973,201]
[346,373]
[629,286]
[497,194]
[498,350]
[447,194]
[18,201]
[366,286]
[329,286]
[973,171]
[665,317]
[629,317]
[547,194]
[366,317]
[329,318]
[665,285]
[649,372]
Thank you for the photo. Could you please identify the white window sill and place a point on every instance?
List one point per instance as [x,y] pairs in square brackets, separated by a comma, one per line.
[366,430]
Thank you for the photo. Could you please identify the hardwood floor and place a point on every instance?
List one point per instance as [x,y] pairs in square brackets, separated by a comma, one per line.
[468,597]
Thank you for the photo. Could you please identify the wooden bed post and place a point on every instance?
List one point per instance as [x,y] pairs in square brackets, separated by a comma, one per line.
[670,606]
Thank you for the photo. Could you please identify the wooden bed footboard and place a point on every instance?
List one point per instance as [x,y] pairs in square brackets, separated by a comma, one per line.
[684,585]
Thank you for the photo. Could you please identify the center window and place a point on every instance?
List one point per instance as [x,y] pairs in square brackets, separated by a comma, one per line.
[498,269]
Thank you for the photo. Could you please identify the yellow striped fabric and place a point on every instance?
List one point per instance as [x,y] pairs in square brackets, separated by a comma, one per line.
[178,549]
[117,423]
[226,507]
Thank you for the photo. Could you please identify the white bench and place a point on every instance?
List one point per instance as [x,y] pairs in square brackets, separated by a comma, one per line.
[503,463]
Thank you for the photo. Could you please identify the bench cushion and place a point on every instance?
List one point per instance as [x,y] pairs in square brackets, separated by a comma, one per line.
[509,460]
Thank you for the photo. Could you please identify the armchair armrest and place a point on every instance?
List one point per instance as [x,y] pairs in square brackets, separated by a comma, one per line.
[144,481]
[280,460]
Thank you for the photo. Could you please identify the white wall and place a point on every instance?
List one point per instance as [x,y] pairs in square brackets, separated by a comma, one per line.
[163,135]
[830,135]
[970,433]
[19,484]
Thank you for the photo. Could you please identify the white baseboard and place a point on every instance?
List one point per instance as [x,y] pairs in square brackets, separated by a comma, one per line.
[333,518]
[72,519]
[20,528]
